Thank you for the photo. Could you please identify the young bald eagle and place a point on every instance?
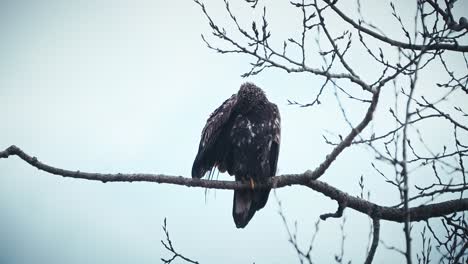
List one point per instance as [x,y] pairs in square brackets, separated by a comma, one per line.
[242,137]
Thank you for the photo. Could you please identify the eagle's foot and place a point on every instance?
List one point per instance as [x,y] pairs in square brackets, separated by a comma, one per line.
[248,180]
[252,184]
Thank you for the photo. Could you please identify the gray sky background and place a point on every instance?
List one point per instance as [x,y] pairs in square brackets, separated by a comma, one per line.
[126,86]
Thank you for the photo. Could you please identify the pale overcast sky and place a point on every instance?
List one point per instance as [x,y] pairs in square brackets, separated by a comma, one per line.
[126,86]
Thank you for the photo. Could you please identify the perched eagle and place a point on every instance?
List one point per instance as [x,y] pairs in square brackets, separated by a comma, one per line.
[242,137]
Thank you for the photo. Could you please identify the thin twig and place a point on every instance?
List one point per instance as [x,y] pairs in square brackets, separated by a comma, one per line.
[168,245]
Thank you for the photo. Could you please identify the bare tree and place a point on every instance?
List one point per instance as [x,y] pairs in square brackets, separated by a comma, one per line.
[402,153]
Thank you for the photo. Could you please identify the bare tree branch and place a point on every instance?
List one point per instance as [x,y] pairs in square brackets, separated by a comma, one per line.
[434,46]
[404,171]
[320,170]
[461,25]
[375,240]
[168,245]
[307,178]
[337,214]
[293,236]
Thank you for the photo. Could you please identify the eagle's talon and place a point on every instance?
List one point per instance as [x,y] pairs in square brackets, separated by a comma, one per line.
[252,184]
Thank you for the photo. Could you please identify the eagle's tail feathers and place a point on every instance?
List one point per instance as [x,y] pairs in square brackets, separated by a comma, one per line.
[242,208]
[246,203]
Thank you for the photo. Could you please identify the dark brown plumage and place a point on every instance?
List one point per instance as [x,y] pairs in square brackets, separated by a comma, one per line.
[242,137]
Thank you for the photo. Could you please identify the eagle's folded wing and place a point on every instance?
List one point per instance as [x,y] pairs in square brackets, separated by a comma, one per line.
[207,157]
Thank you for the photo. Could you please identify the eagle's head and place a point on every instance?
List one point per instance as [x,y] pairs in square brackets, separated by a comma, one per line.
[249,95]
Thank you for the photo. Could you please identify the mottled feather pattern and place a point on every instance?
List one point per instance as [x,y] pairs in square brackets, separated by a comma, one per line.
[242,137]
[217,119]
[276,125]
